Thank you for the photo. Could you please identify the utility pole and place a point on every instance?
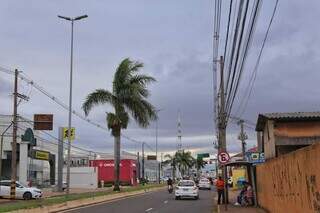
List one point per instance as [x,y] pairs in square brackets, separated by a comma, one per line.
[161,164]
[60,160]
[222,142]
[222,113]
[14,138]
[179,145]
[142,161]
[138,166]
[158,164]
[243,137]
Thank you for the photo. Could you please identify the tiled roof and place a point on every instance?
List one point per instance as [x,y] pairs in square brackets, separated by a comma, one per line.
[286,116]
[253,149]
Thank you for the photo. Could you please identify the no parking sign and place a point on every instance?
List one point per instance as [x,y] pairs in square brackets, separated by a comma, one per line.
[223,157]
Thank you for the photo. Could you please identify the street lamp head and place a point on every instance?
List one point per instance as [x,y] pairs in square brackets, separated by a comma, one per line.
[80,17]
[64,17]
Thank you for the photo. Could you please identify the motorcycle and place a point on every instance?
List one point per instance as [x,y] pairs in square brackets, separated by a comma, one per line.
[170,189]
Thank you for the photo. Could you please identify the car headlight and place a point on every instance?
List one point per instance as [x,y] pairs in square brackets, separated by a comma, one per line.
[38,191]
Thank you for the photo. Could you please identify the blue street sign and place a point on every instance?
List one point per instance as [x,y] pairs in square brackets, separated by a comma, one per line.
[255,157]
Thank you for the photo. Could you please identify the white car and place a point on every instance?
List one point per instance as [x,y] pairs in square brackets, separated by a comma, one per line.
[204,183]
[22,192]
[186,188]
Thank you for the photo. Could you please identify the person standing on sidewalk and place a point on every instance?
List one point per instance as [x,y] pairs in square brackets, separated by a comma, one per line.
[220,189]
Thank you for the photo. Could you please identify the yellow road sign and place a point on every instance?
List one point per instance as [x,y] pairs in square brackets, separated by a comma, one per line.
[65,133]
[42,155]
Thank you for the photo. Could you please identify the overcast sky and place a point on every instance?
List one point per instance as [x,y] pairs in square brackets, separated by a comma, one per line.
[174,40]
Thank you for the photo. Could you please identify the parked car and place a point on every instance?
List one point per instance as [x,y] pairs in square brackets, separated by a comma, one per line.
[186,188]
[204,183]
[22,192]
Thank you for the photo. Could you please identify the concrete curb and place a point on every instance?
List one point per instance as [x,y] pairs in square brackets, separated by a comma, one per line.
[74,204]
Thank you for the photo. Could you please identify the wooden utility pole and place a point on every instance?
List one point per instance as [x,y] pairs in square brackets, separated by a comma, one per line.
[14,139]
[243,137]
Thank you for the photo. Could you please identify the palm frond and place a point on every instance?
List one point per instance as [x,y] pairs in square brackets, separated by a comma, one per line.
[142,111]
[99,96]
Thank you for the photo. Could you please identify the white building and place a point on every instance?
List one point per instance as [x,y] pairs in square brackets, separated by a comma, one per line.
[37,171]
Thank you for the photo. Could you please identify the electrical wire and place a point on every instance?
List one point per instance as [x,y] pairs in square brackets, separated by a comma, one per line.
[248,41]
[23,77]
[255,70]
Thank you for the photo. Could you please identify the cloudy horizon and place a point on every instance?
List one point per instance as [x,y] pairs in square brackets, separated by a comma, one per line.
[174,41]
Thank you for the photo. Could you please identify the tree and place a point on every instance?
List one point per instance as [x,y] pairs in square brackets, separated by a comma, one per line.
[172,161]
[128,97]
[185,161]
[199,163]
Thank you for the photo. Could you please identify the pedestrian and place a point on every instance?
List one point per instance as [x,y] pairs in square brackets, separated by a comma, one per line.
[220,189]
[249,194]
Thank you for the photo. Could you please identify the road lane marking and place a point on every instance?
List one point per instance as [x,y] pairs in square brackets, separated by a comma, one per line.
[107,201]
[165,202]
[149,209]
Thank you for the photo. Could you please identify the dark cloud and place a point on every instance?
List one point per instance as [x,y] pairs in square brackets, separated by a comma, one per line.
[174,40]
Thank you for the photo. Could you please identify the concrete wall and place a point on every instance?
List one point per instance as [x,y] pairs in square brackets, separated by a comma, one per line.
[82,177]
[291,182]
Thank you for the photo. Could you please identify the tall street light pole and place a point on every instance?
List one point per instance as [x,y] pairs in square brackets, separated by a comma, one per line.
[70,95]
[158,164]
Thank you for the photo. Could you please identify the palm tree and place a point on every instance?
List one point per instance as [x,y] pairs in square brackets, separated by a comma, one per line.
[185,161]
[199,163]
[172,161]
[128,96]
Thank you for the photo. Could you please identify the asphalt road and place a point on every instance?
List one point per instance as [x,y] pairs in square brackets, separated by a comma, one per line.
[154,202]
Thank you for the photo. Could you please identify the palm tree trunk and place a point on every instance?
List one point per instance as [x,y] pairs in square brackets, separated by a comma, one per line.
[117,162]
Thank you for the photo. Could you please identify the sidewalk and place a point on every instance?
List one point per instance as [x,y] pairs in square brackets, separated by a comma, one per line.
[237,209]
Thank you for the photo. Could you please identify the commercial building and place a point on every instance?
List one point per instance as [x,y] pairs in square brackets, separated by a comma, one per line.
[28,169]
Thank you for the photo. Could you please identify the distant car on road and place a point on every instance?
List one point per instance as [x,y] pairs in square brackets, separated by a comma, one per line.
[22,192]
[186,188]
[204,183]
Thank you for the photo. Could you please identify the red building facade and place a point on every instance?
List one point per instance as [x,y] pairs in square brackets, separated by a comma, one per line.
[128,171]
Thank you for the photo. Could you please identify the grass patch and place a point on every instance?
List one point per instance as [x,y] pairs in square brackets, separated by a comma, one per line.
[21,204]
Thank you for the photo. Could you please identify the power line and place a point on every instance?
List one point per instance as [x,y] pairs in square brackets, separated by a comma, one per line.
[248,39]
[59,102]
[236,72]
[254,73]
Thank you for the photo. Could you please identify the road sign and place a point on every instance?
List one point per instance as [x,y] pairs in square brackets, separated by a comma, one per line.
[223,157]
[203,155]
[255,157]
[65,133]
[43,121]
[40,154]
[151,157]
